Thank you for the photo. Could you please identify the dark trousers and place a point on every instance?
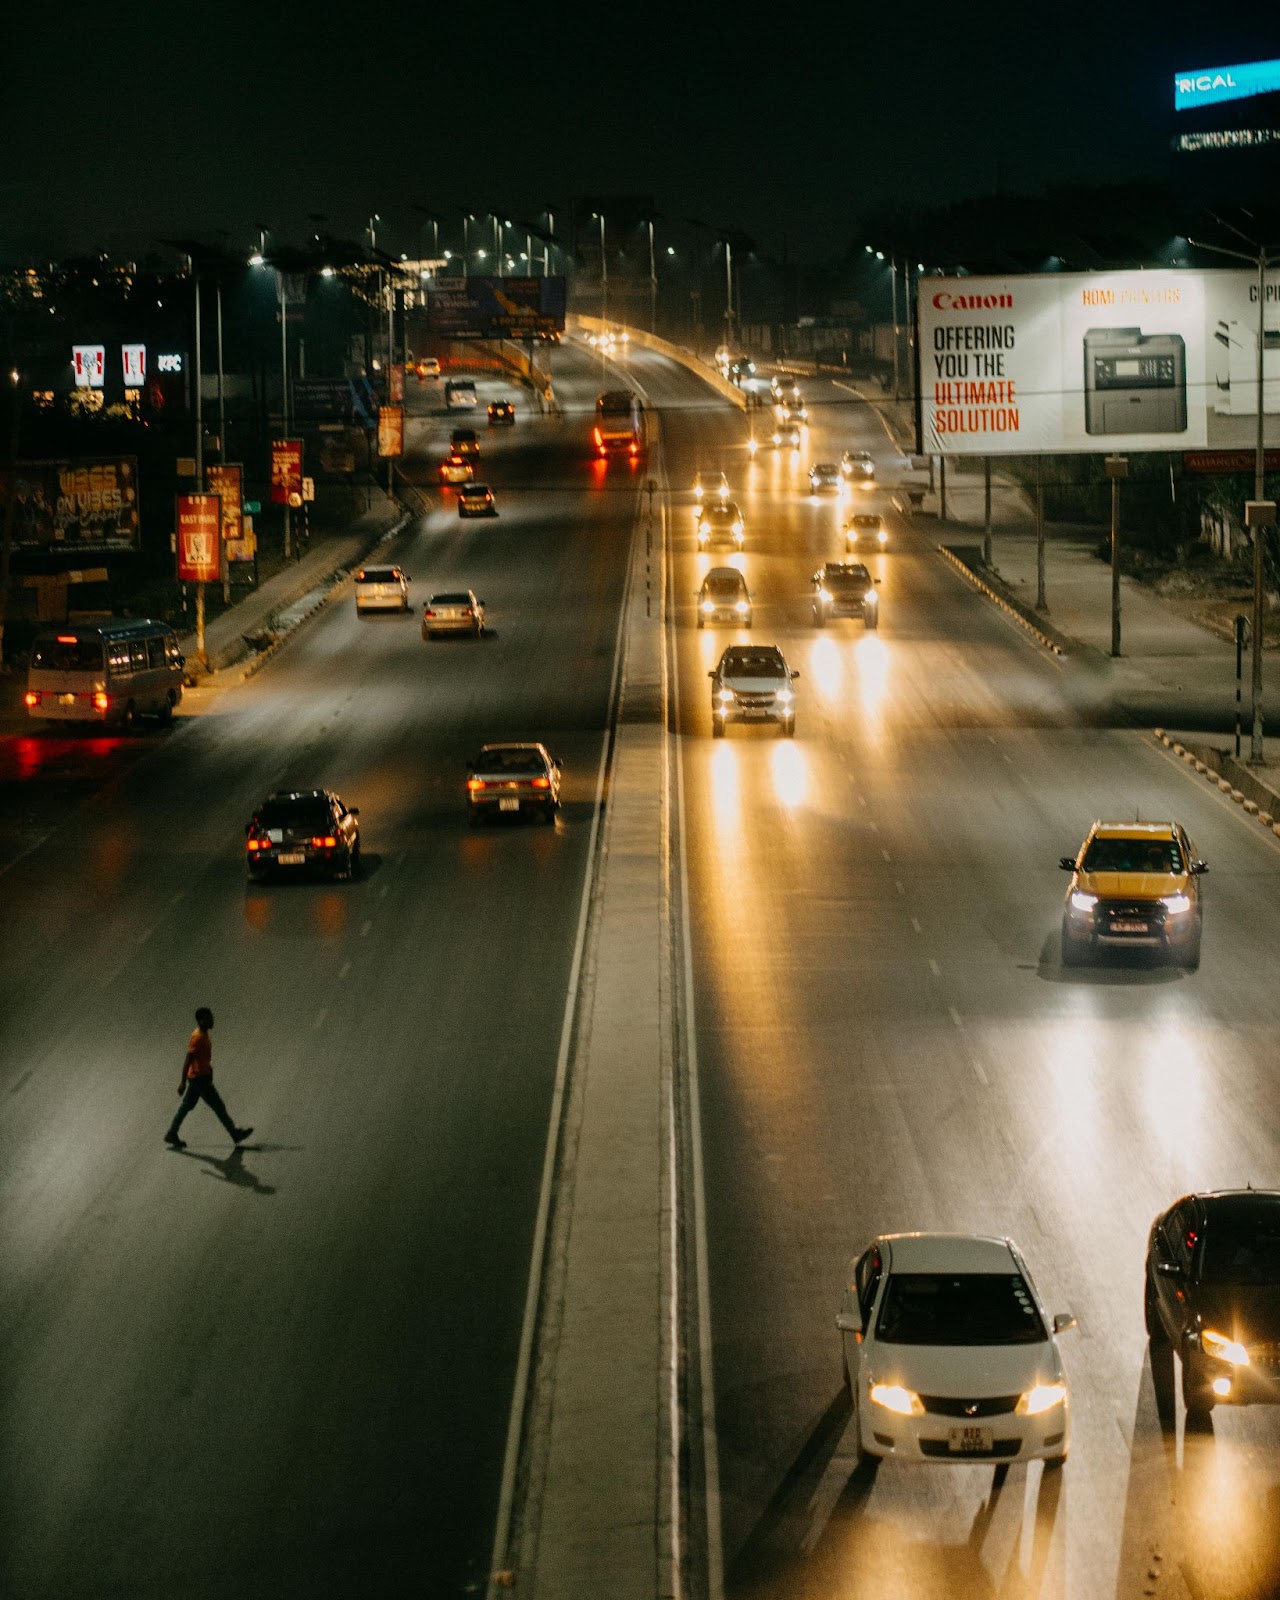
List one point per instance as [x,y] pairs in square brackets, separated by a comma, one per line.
[201,1089]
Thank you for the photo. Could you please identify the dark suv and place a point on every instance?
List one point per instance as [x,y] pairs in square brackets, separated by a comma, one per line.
[303,830]
[1212,1293]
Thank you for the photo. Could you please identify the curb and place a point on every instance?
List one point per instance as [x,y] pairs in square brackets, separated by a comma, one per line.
[256,663]
[1223,785]
[1023,622]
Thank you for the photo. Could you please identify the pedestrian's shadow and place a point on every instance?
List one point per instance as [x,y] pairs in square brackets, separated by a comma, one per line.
[231,1169]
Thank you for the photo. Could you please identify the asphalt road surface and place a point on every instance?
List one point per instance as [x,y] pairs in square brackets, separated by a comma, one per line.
[287,1369]
[887,1040]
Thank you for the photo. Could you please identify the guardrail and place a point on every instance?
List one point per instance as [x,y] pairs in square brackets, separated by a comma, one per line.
[673,352]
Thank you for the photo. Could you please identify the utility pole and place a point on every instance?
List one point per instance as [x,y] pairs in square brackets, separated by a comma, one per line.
[1117,469]
[987,552]
[1042,602]
[10,500]
[284,395]
[728,294]
[893,286]
[653,284]
[195,279]
[224,566]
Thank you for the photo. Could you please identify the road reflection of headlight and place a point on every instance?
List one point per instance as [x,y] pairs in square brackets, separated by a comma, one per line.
[790,774]
[826,667]
[725,797]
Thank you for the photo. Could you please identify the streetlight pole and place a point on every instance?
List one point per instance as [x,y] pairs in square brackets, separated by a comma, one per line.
[604,270]
[467,219]
[10,500]
[1256,516]
[653,284]
[195,279]
[893,288]
[728,294]
[1117,469]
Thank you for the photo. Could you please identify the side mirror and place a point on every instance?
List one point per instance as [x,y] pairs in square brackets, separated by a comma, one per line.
[794,676]
[879,580]
[482,602]
[353,811]
[182,661]
[710,674]
[848,1323]
[1063,1322]
[1067,863]
[1199,867]
[1168,1269]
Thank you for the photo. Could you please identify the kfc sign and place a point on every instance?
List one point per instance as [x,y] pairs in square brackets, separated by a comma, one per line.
[199,520]
[133,360]
[171,362]
[89,361]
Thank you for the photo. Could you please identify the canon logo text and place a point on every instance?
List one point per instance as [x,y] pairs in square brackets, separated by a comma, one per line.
[973,302]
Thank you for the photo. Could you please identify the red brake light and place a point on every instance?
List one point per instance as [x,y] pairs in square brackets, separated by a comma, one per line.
[101,701]
[66,638]
[31,698]
[428,612]
[475,783]
[542,783]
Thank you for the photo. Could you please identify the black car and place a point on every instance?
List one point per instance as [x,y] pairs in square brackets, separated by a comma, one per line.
[844,589]
[1212,1293]
[303,830]
[501,414]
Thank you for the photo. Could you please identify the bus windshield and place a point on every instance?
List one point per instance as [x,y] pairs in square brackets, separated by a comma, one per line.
[67,654]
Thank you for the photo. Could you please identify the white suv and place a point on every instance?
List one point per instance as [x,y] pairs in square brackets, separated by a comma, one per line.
[381,589]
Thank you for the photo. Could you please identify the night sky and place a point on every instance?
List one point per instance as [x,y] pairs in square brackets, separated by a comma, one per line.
[130,123]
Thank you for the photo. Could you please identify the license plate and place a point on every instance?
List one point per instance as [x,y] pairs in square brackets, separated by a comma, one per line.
[291,858]
[508,805]
[970,1441]
[66,699]
[1129,927]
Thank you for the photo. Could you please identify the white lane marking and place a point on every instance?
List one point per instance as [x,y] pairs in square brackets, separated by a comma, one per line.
[934,968]
[956,1017]
[382,893]
[886,855]
[899,887]
[915,923]
[344,969]
[181,895]
[364,931]
[320,1016]
[874,826]
[520,1388]
[978,1072]
[862,799]
[702,1272]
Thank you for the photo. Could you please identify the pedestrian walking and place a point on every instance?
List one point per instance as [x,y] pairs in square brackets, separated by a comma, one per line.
[197,1084]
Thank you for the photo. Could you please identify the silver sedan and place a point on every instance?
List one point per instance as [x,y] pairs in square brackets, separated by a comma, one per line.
[456,612]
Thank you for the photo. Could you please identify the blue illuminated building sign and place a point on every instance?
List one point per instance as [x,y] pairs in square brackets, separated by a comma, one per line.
[1207,86]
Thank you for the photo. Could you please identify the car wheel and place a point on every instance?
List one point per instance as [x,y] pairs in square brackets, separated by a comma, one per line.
[871,620]
[165,713]
[1197,1396]
[129,721]
[789,728]
[353,870]
[1191,957]
[717,727]
[549,813]
[1151,1315]
[1072,949]
[1055,1463]
[702,621]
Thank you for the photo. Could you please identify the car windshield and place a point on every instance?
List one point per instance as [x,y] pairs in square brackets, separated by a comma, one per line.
[474,489]
[1133,855]
[308,811]
[972,1308]
[721,513]
[754,664]
[864,519]
[731,584]
[516,761]
[826,469]
[379,575]
[449,600]
[1242,1249]
[848,578]
[68,654]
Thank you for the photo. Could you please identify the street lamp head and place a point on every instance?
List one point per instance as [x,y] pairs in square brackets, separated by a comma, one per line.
[257,259]
[327,272]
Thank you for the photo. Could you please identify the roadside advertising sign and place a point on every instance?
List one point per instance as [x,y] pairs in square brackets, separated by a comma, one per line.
[133,363]
[397,382]
[1078,362]
[85,506]
[199,524]
[89,362]
[390,430]
[308,488]
[1220,461]
[1210,86]
[495,308]
[226,480]
[322,397]
[286,470]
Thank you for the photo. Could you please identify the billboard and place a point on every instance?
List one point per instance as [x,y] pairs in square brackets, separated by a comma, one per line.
[89,363]
[286,470]
[1095,362]
[323,398]
[495,308]
[226,480]
[1210,86]
[85,507]
[199,524]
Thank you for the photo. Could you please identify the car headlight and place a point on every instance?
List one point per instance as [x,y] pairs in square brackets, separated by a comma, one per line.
[704,528]
[1221,1348]
[741,608]
[893,1397]
[871,598]
[1041,1397]
[1176,904]
[1080,901]
[737,530]
[883,537]
[786,696]
[825,596]
[708,606]
[725,697]
[851,534]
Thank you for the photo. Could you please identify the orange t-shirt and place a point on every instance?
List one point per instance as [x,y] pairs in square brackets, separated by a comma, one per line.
[200,1049]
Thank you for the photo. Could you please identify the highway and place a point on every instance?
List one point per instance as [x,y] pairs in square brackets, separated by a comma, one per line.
[886,1040]
[288,1369]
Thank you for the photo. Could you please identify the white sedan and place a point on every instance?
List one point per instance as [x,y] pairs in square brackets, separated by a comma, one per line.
[949,1354]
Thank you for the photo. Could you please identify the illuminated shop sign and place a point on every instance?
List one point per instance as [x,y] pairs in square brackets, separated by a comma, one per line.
[90,362]
[1208,86]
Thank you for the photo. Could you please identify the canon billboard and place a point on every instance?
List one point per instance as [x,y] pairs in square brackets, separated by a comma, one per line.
[1096,362]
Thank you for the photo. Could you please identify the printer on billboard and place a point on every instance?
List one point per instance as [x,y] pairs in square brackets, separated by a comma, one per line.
[1134,382]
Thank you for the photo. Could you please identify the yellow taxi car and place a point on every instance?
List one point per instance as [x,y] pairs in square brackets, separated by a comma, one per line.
[1134,885]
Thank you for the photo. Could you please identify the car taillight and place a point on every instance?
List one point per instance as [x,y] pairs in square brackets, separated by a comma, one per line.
[542,783]
[428,612]
[101,701]
[635,448]
[475,783]
[327,843]
[31,698]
